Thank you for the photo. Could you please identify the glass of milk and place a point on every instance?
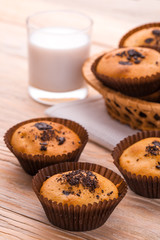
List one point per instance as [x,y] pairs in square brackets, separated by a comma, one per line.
[58,44]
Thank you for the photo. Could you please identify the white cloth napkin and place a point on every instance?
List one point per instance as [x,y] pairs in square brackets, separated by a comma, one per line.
[92,114]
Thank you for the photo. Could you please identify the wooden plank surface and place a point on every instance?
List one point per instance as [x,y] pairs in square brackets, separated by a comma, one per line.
[21,215]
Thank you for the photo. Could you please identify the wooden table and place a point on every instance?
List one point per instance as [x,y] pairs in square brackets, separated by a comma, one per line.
[21,215]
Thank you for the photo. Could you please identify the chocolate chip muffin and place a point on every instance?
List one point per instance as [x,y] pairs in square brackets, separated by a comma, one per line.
[138,159]
[78,187]
[78,196]
[40,142]
[147,35]
[45,137]
[143,157]
[132,71]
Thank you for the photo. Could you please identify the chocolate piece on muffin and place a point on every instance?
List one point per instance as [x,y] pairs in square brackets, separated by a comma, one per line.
[45,138]
[132,71]
[78,187]
[147,35]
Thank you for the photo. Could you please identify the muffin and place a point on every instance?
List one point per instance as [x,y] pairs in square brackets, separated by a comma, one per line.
[147,35]
[132,71]
[142,158]
[45,138]
[78,196]
[138,159]
[78,187]
[44,141]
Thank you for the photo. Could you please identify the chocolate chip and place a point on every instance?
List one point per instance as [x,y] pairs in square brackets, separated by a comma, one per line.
[156,32]
[66,192]
[36,137]
[78,194]
[60,140]
[108,194]
[156,143]
[42,126]
[125,63]
[43,148]
[149,40]
[137,61]
[97,196]
[47,135]
[43,143]
[134,53]
[86,178]
[121,54]
[156,62]
[102,191]
[153,150]
[158,166]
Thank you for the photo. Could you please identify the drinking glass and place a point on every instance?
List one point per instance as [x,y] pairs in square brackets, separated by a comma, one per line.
[58,44]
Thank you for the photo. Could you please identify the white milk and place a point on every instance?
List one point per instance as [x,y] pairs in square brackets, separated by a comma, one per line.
[56,56]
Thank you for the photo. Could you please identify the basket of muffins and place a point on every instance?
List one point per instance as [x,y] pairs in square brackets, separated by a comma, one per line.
[129,78]
[75,196]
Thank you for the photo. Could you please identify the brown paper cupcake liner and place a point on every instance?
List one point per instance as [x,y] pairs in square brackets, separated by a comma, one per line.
[78,218]
[32,163]
[145,186]
[154,97]
[135,87]
[148,25]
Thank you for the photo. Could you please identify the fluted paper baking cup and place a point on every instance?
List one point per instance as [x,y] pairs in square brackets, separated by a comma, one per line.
[140,184]
[78,218]
[134,87]
[148,25]
[154,97]
[32,163]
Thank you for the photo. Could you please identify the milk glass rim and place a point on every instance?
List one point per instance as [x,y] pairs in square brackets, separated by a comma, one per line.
[60,11]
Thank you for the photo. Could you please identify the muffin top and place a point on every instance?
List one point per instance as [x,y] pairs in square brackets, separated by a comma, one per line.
[129,63]
[45,138]
[78,187]
[142,158]
[147,37]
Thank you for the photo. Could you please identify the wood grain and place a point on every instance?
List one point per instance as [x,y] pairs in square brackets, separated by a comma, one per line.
[21,215]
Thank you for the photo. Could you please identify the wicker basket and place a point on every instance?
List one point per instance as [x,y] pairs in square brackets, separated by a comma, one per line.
[135,112]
